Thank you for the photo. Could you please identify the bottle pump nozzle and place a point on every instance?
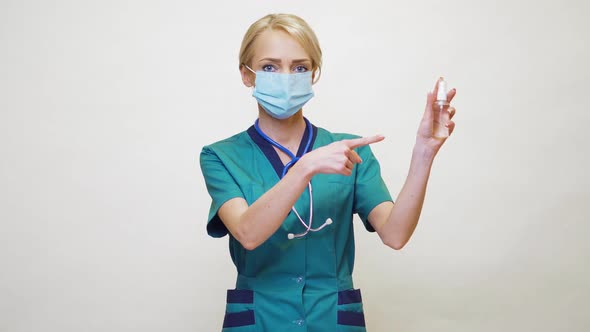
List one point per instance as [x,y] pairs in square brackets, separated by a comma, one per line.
[442,90]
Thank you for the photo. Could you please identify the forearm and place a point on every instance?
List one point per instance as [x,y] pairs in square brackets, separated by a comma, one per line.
[406,211]
[252,225]
[261,219]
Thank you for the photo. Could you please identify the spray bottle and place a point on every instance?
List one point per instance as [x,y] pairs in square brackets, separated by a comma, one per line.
[441,111]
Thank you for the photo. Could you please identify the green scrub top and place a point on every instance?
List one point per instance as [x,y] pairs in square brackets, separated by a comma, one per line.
[303,284]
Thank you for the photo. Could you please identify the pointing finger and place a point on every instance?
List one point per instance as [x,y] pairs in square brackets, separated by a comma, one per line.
[362,141]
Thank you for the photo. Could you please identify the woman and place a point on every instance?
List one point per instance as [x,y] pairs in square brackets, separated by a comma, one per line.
[286,191]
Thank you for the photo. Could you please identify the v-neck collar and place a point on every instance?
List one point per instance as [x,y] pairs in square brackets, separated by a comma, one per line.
[271,154]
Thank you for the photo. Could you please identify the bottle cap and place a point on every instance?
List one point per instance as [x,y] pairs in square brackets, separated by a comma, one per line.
[442,90]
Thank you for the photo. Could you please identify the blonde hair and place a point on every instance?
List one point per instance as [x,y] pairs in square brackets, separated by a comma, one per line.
[293,25]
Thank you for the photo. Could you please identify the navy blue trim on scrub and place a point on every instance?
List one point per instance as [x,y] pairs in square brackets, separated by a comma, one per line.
[240,296]
[242,318]
[272,155]
[351,318]
[349,296]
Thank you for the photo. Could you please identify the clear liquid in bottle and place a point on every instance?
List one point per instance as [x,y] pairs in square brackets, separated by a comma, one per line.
[441,112]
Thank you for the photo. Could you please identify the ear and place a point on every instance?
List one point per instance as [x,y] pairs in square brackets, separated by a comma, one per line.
[247,76]
[315,73]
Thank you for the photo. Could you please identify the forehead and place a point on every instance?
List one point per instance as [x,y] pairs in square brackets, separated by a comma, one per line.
[279,45]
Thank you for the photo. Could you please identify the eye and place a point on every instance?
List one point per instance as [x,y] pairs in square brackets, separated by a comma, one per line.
[300,69]
[268,68]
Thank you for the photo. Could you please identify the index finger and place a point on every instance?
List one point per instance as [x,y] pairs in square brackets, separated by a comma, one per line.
[451,94]
[362,141]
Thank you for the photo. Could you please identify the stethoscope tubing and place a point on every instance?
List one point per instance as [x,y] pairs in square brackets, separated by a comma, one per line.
[294,159]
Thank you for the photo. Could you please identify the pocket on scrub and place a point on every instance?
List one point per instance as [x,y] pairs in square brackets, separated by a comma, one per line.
[351,317]
[239,311]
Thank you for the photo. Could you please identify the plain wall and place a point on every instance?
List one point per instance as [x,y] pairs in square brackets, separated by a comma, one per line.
[105,106]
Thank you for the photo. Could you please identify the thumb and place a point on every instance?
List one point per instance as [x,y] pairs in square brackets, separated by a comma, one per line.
[428,109]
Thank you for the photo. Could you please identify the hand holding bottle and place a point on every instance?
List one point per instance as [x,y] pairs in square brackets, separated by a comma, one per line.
[436,125]
[442,115]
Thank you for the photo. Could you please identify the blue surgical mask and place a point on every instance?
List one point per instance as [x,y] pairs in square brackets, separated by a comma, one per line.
[282,95]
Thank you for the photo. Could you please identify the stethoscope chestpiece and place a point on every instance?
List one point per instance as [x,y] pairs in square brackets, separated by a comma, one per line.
[291,236]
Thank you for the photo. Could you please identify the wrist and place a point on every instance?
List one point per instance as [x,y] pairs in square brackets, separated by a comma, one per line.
[304,168]
[423,154]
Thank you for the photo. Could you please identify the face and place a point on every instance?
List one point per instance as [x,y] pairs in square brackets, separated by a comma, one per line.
[276,51]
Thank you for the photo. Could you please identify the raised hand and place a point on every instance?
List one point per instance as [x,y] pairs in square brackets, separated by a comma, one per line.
[425,137]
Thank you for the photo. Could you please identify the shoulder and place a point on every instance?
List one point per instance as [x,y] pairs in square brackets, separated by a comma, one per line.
[334,136]
[228,145]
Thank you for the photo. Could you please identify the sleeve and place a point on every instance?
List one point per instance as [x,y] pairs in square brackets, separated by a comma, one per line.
[370,189]
[221,187]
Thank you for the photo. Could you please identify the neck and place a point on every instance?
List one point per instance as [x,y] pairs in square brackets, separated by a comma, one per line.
[287,132]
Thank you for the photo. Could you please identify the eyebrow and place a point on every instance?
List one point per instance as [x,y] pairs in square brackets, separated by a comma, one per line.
[279,60]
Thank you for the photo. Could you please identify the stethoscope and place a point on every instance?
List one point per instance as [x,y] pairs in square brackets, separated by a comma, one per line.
[294,159]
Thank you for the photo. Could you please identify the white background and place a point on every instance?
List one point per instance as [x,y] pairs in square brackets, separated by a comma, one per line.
[106,105]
